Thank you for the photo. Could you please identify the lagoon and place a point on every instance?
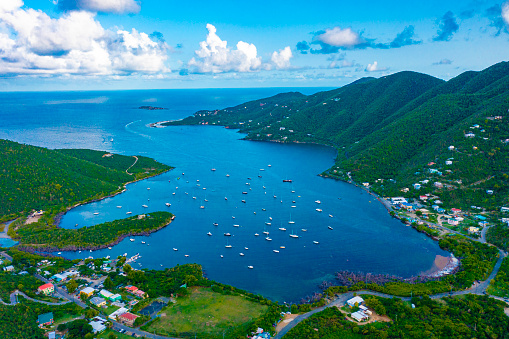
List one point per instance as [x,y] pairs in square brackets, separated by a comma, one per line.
[363,236]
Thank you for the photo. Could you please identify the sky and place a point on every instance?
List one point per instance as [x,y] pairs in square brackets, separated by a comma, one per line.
[50,45]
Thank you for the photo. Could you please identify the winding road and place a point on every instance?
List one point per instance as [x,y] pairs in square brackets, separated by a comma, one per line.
[477,288]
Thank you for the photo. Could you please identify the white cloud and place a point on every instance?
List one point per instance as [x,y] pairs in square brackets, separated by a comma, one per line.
[214,56]
[338,37]
[374,67]
[104,6]
[505,12]
[282,58]
[31,42]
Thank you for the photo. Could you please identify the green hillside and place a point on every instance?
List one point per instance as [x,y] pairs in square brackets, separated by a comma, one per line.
[395,131]
[35,178]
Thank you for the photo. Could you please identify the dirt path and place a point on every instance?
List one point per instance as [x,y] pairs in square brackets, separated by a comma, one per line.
[135,161]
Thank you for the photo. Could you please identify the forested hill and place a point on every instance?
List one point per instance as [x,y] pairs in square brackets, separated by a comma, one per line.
[393,127]
[34,178]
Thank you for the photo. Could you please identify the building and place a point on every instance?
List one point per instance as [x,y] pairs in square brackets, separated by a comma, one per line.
[46,288]
[97,326]
[473,230]
[117,313]
[9,268]
[360,316]
[127,319]
[504,209]
[451,148]
[417,186]
[136,291]
[355,300]
[98,301]
[45,319]
[110,296]
[398,200]
[88,291]
[448,162]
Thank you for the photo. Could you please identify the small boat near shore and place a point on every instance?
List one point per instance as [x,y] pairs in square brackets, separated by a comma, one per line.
[129,212]
[132,239]
[275,251]
[144,206]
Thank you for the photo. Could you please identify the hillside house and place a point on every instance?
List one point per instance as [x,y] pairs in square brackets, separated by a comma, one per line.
[45,319]
[417,186]
[98,301]
[451,148]
[470,135]
[504,209]
[46,288]
[88,291]
[360,316]
[473,230]
[448,162]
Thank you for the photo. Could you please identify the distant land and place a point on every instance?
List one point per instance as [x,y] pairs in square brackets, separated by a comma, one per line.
[151,108]
[407,134]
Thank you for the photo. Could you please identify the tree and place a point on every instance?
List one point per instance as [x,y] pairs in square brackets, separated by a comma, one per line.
[108,283]
[72,286]
[78,329]
[90,313]
[127,268]
[112,336]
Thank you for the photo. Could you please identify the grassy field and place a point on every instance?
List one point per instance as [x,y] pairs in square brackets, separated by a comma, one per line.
[206,312]
[106,333]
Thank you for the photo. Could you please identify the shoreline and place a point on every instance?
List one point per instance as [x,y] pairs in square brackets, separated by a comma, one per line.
[74,248]
[59,216]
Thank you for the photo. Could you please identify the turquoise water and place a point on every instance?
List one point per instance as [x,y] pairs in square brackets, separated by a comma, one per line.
[363,238]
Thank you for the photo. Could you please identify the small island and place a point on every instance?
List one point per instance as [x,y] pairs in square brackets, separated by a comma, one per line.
[151,108]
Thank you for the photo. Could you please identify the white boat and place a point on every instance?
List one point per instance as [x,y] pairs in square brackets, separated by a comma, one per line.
[108,248]
[269,165]
[144,206]
[293,235]
[222,256]
[96,213]
[59,253]
[318,201]
[318,210]
[233,217]
[250,267]
[241,254]
[294,206]
[282,247]
[291,222]
[256,234]
[304,230]
[275,196]
[209,234]
[212,169]
[225,198]
[270,218]
[173,193]
[168,204]
[330,227]
[227,234]
[194,198]
[142,242]
[330,215]
[315,242]
[266,232]
[129,212]
[79,252]
[268,223]
[246,248]
[227,175]
[215,224]
[202,207]
[275,251]
[132,239]
[282,229]
[228,246]
[119,206]
[268,239]
[148,188]
[186,255]
[175,249]
[236,225]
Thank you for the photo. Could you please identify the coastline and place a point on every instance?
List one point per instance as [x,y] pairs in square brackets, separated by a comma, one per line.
[59,216]
[48,249]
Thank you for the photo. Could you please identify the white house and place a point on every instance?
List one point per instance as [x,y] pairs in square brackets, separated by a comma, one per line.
[448,162]
[360,316]
[355,300]
[451,148]
[97,326]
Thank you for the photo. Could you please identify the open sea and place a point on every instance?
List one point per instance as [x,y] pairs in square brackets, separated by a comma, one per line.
[363,237]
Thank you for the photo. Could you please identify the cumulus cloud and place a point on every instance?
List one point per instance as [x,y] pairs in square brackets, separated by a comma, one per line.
[505,12]
[214,56]
[31,42]
[104,6]
[374,67]
[282,58]
[447,27]
[333,40]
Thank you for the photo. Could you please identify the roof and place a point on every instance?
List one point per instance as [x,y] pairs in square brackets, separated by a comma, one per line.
[45,318]
[97,300]
[106,293]
[354,300]
[87,290]
[131,288]
[97,326]
[129,316]
[45,286]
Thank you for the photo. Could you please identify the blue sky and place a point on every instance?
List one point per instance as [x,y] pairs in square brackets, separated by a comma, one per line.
[130,44]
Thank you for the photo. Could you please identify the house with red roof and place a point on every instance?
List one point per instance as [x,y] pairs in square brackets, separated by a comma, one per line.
[46,288]
[127,319]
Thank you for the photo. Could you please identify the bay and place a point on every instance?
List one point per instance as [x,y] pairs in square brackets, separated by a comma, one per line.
[363,236]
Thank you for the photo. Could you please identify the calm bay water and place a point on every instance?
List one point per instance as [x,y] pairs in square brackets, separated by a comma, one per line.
[364,237]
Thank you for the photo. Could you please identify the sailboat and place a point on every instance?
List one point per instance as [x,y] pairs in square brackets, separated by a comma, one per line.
[293,235]
[291,222]
[228,245]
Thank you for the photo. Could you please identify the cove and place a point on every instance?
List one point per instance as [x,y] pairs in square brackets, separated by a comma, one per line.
[363,236]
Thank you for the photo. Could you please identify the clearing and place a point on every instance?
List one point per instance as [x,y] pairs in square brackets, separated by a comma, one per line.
[207,312]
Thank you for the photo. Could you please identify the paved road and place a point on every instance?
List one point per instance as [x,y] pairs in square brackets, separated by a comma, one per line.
[13,298]
[60,292]
[6,256]
[118,326]
[479,289]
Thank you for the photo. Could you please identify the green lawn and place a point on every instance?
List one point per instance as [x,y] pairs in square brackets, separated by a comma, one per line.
[106,333]
[206,312]
[110,309]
